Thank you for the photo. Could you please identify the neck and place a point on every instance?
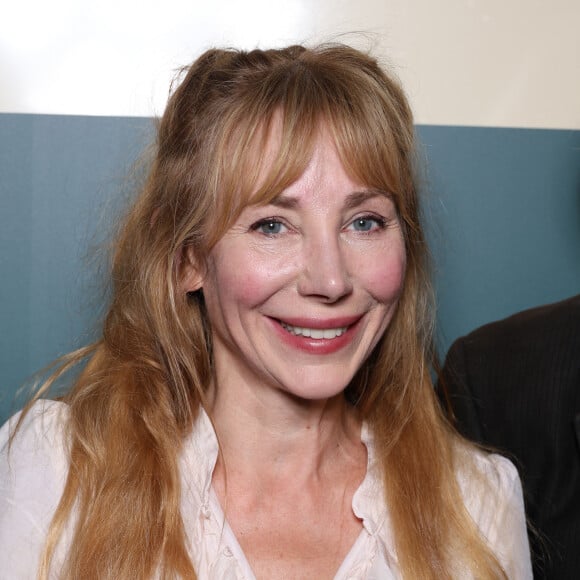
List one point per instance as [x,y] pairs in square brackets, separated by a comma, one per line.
[284,438]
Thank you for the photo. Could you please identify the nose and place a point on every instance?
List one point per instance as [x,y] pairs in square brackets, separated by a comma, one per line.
[325,273]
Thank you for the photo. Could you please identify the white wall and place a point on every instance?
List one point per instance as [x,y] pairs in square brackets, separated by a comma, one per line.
[463,62]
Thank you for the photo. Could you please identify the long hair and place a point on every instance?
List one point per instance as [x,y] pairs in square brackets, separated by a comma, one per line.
[141,389]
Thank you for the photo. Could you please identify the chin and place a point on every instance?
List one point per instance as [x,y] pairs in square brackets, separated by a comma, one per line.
[318,391]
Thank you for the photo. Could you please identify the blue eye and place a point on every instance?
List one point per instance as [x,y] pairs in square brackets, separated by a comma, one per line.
[269,227]
[367,224]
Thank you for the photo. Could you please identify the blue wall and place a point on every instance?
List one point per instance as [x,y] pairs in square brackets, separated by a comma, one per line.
[502,210]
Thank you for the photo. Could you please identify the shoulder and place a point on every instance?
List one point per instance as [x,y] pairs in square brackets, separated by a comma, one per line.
[33,470]
[529,325]
[493,496]
[496,473]
[486,479]
[492,492]
[534,350]
[41,430]
[34,465]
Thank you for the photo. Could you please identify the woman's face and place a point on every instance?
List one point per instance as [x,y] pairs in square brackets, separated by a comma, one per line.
[299,291]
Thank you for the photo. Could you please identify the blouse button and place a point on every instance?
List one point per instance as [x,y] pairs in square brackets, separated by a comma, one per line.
[206,511]
[228,552]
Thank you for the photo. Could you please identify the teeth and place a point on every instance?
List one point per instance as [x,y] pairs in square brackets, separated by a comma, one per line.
[316,333]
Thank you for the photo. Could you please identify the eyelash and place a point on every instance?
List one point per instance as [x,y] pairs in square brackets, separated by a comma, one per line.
[267,222]
[381,224]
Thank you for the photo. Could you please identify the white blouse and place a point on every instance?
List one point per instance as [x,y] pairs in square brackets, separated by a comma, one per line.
[33,473]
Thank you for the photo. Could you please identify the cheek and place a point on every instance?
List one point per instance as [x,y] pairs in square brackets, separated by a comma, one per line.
[385,281]
[246,279]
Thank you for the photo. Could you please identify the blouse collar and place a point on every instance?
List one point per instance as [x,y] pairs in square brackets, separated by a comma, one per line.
[201,452]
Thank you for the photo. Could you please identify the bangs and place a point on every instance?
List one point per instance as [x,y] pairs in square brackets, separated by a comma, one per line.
[267,139]
[262,156]
[262,161]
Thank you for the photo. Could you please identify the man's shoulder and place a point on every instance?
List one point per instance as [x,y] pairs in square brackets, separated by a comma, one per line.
[543,323]
[528,362]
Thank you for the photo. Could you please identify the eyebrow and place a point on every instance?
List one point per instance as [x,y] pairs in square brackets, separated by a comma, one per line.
[353,199]
[356,198]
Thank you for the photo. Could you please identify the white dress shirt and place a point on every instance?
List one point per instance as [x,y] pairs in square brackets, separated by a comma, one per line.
[33,474]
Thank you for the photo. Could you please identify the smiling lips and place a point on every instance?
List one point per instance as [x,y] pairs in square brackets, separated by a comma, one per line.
[315,333]
[318,337]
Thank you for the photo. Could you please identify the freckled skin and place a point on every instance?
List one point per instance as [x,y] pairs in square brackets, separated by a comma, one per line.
[304,257]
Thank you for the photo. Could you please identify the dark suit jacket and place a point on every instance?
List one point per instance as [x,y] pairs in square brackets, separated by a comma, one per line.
[515,385]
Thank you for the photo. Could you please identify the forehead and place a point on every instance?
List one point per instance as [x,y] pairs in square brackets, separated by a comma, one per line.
[324,170]
[288,162]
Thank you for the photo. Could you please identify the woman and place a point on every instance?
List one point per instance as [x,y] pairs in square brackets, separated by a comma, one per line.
[260,404]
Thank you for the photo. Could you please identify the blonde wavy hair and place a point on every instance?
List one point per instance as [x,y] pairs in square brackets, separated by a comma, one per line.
[144,381]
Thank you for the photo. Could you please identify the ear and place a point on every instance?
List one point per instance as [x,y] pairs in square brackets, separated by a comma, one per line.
[191,272]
